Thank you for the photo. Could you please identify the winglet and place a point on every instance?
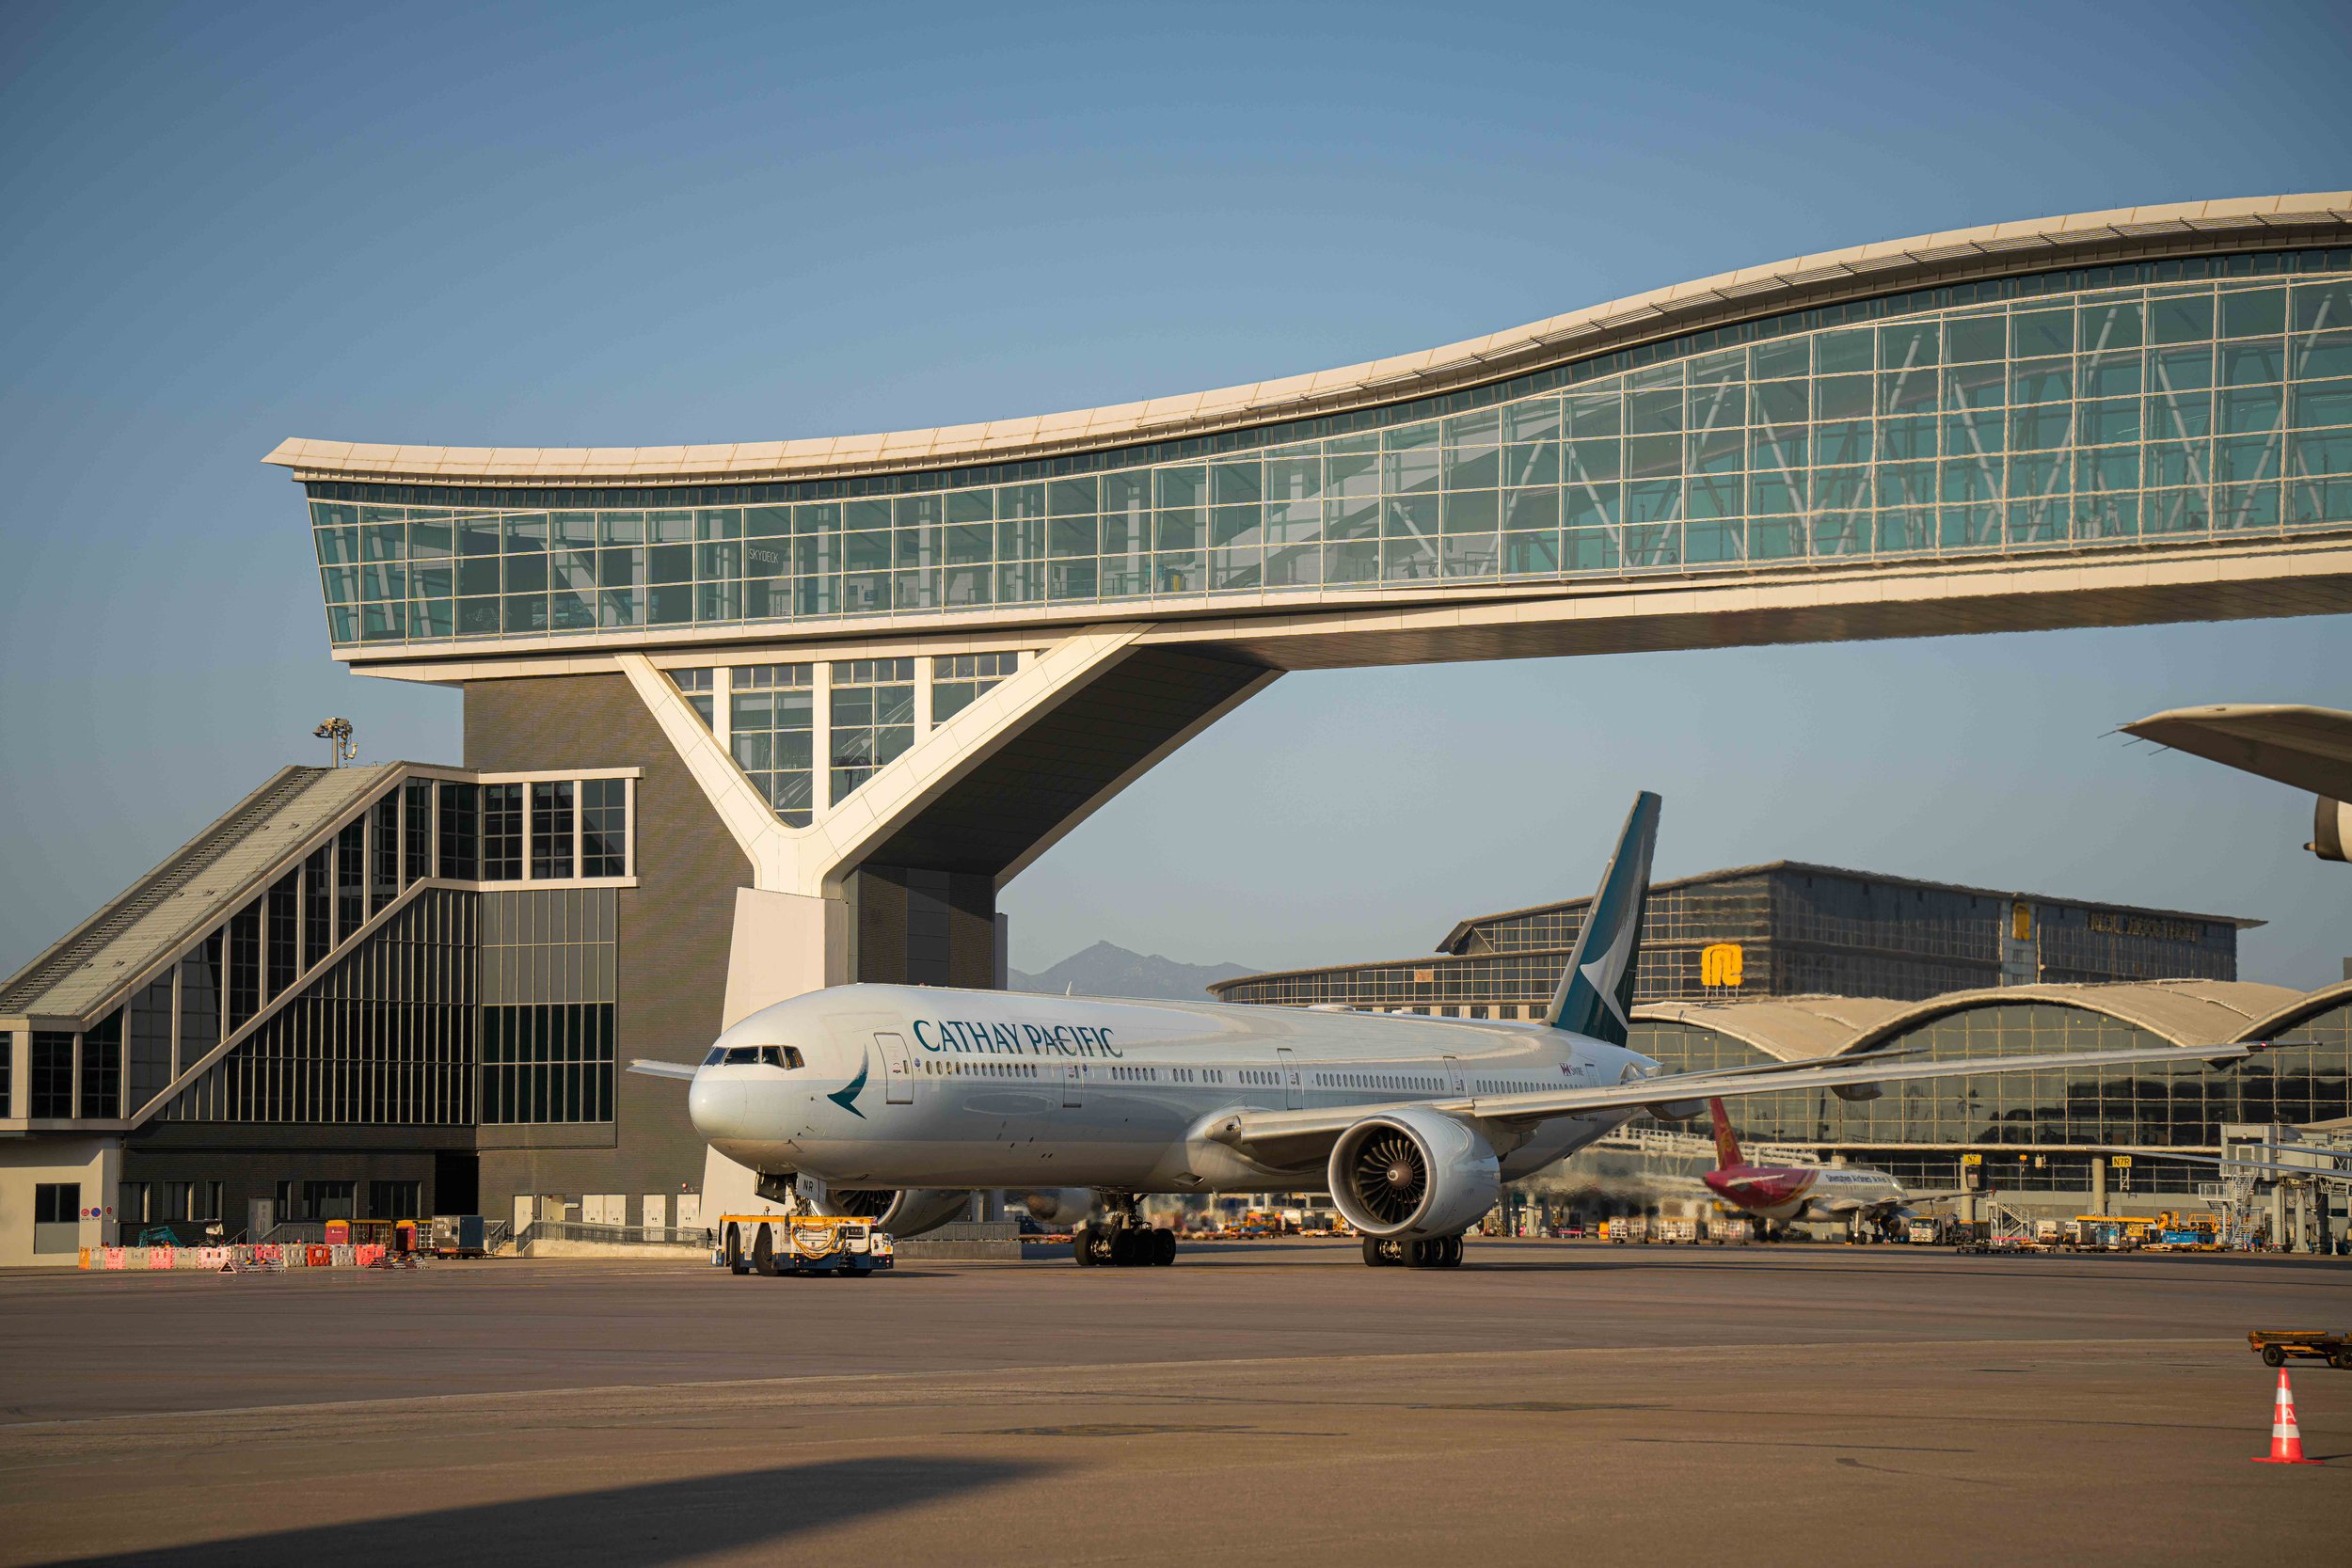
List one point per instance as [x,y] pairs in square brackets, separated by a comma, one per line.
[1727,1142]
[1596,993]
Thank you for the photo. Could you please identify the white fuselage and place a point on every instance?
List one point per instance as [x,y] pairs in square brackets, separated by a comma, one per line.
[916,1086]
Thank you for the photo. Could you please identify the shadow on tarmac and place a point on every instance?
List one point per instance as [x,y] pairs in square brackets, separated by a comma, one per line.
[627,1526]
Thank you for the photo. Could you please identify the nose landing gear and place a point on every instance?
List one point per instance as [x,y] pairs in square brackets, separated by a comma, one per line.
[1120,1239]
[1438,1252]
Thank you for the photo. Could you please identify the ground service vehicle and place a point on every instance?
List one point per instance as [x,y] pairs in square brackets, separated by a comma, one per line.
[2274,1345]
[802,1244]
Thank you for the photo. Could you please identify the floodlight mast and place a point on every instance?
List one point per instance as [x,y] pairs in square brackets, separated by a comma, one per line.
[340,748]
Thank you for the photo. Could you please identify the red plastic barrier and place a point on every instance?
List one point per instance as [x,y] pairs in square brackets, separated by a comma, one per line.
[161,1257]
[366,1253]
[318,1257]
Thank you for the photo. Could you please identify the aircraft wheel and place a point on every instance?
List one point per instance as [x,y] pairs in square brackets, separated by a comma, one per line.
[1128,1247]
[1376,1253]
[1453,1259]
[1424,1255]
[1082,1246]
[1163,1249]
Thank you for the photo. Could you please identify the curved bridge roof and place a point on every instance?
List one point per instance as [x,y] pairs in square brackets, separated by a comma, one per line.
[1798,282]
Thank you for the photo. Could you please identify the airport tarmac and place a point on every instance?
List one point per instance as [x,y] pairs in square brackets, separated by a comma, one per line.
[1269,1403]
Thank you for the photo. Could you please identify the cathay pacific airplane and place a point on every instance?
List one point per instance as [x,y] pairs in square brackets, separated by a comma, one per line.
[899,1102]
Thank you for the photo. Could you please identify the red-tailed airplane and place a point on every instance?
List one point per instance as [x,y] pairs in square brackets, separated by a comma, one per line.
[1779,1193]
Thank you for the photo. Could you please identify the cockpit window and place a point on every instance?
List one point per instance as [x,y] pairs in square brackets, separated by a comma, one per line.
[742,1055]
[718,1055]
[780,1056]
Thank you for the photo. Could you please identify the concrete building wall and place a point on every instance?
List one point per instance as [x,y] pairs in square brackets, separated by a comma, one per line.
[675,930]
[92,1165]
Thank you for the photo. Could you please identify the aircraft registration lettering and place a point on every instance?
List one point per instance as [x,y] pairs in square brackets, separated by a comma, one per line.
[1016,1040]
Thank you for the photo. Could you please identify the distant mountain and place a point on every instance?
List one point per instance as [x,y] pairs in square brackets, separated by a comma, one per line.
[1105,970]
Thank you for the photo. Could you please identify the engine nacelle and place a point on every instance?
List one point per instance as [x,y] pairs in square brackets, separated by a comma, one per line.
[2332,829]
[902,1213]
[1064,1207]
[1413,1174]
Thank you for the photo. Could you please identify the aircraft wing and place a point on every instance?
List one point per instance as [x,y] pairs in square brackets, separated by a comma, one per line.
[662,1070]
[2306,748]
[1291,1138]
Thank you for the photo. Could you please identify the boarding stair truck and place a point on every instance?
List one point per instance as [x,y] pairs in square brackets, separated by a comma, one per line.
[776,1245]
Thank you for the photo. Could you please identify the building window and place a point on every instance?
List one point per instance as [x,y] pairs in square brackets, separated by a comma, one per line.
[959,680]
[283,933]
[351,870]
[395,1201]
[604,828]
[318,910]
[386,887]
[547,1063]
[416,809]
[101,1069]
[199,998]
[150,1042]
[460,802]
[873,719]
[7,1072]
[329,1200]
[57,1217]
[701,689]
[551,831]
[245,966]
[502,832]
[53,1075]
[768,729]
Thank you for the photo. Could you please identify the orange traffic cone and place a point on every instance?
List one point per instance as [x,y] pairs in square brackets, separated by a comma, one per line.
[2286,1438]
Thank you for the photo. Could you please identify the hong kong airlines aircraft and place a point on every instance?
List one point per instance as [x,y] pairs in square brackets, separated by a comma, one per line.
[1784,1193]
[898,1102]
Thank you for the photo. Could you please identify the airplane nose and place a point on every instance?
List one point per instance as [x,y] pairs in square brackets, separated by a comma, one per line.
[712,1104]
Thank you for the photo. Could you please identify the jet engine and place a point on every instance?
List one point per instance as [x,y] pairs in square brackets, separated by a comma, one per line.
[902,1212]
[1413,1174]
[1064,1207]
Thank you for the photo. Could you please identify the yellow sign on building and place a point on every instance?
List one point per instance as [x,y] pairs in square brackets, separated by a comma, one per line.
[1719,964]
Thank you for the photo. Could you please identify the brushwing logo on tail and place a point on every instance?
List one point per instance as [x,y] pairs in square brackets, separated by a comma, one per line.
[846,1096]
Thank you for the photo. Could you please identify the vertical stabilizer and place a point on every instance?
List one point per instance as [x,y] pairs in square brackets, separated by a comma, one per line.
[1726,1146]
[1596,994]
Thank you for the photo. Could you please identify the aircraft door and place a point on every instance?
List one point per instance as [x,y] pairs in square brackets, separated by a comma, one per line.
[1072,1085]
[1288,1066]
[1453,1074]
[898,1073]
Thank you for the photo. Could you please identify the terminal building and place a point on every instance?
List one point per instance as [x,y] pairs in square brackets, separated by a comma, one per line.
[1793,930]
[746,720]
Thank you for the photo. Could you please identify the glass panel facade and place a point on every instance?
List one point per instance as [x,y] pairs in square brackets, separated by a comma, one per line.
[1801,931]
[102,1067]
[385,1036]
[547,1063]
[2127,1106]
[770,715]
[959,680]
[2095,407]
[873,719]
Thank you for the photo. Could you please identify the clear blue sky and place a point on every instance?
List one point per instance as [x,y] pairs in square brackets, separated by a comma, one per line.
[635,223]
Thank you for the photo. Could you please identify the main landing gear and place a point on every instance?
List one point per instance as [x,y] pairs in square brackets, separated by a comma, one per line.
[1122,1240]
[1438,1252]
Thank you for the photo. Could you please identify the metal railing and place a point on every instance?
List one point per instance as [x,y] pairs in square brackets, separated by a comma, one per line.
[624,1235]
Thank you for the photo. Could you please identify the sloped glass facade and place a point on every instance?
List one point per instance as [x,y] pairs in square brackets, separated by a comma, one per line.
[2196,398]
